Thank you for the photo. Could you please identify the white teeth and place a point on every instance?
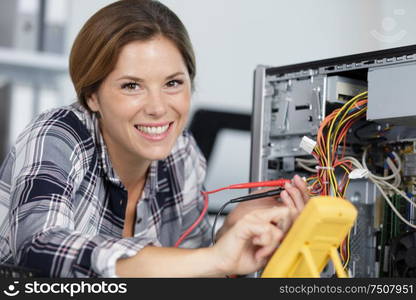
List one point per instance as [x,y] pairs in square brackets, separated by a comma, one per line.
[153,129]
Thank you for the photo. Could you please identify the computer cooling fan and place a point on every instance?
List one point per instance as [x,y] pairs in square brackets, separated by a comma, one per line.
[403,255]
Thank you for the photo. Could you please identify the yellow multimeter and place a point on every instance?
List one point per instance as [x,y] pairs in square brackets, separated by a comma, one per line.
[314,239]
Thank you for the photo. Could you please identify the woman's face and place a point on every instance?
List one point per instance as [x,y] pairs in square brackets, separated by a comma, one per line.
[144,101]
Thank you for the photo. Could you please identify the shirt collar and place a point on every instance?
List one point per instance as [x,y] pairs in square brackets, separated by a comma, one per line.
[151,185]
[103,157]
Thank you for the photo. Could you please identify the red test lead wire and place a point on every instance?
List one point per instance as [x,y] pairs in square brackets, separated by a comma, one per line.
[248,185]
[192,227]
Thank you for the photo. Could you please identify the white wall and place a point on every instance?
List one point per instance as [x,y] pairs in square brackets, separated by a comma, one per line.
[79,12]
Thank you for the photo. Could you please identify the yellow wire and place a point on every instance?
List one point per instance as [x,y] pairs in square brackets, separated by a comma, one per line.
[331,172]
[348,250]
[324,151]
[348,181]
[349,233]
[342,121]
[346,107]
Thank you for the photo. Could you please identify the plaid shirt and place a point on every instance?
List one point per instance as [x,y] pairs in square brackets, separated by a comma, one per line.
[62,205]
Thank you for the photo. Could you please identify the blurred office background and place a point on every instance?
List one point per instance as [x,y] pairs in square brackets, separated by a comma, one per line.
[230,38]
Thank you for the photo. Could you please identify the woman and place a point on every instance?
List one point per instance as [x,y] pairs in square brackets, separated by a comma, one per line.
[105,187]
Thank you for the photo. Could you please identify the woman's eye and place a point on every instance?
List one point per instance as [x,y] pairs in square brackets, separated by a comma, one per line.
[131,86]
[174,83]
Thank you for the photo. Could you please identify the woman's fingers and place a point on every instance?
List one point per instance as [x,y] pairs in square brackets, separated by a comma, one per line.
[271,243]
[267,242]
[260,224]
[295,195]
[269,226]
[268,237]
[302,186]
[287,200]
[245,246]
[278,216]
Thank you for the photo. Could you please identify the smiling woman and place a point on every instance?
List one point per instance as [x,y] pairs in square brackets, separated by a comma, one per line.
[107,185]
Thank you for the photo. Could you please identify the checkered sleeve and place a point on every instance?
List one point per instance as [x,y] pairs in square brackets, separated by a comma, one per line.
[51,160]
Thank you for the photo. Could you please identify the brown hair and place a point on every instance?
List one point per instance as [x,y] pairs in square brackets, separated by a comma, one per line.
[98,44]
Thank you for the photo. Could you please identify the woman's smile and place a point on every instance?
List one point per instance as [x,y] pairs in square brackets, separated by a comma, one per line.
[154,132]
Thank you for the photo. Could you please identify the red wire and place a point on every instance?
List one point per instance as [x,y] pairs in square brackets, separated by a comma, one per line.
[217,190]
[279,182]
[249,185]
[201,216]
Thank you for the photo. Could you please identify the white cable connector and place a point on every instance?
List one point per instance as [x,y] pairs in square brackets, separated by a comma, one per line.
[358,173]
[307,144]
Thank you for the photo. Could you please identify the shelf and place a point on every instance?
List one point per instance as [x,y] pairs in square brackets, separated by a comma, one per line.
[19,60]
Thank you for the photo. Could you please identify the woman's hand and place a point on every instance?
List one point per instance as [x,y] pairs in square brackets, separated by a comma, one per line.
[248,244]
[294,197]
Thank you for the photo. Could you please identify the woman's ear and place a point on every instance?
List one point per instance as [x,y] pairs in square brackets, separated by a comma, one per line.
[92,102]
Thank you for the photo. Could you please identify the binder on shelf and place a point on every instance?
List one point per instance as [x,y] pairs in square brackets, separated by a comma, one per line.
[27,28]
[56,14]
[8,11]
[34,25]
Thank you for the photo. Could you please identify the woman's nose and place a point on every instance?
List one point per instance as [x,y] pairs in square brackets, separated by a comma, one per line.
[155,104]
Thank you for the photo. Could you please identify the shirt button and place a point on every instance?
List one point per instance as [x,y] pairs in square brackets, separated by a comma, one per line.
[139,220]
